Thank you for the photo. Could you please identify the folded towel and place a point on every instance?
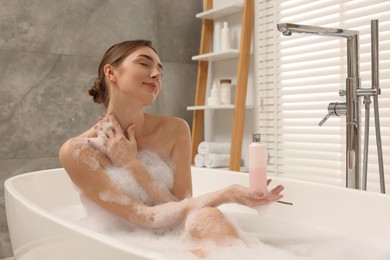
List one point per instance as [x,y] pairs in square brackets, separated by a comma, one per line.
[199,160]
[213,160]
[208,147]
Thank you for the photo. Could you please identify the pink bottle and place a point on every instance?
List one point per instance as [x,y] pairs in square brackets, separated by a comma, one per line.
[258,165]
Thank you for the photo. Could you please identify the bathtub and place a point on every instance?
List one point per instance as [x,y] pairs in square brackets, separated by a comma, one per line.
[308,215]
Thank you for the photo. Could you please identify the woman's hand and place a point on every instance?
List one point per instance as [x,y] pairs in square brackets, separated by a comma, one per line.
[112,141]
[237,194]
[248,197]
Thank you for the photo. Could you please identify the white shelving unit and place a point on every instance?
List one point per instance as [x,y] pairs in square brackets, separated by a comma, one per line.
[243,60]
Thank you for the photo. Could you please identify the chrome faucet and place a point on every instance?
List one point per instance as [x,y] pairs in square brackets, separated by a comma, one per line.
[350,108]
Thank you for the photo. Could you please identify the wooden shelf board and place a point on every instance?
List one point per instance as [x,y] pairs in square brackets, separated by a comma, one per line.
[215,56]
[221,12]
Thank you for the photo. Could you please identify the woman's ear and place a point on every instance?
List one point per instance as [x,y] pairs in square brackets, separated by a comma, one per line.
[109,73]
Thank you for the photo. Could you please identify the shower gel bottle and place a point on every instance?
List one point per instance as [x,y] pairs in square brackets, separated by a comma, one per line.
[258,168]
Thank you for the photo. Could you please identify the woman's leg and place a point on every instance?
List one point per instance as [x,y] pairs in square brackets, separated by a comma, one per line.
[210,224]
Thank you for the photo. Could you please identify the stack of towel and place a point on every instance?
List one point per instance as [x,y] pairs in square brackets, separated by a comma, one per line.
[212,155]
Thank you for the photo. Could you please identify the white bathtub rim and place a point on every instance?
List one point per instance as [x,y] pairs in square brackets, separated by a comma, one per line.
[68,224]
[10,188]
[274,178]
[130,248]
[292,180]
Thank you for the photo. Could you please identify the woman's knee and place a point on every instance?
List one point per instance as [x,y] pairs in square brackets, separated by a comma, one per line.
[209,223]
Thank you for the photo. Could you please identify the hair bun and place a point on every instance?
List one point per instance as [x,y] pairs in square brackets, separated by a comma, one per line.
[97,91]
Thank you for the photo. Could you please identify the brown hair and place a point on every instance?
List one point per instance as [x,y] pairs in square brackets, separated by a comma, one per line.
[113,56]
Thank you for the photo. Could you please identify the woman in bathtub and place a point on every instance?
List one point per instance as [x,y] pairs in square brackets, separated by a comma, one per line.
[129,79]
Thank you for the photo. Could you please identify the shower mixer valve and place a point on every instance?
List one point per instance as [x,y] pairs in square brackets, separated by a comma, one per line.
[340,108]
[335,108]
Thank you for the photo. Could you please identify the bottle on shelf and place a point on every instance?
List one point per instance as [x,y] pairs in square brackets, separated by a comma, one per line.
[214,98]
[225,37]
[217,36]
[225,85]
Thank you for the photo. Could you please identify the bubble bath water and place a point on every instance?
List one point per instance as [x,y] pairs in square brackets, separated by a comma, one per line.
[264,238]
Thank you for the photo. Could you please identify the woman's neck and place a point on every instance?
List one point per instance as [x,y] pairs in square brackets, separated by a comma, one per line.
[128,115]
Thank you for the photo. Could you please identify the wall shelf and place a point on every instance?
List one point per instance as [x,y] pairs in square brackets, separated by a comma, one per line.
[216,56]
[221,12]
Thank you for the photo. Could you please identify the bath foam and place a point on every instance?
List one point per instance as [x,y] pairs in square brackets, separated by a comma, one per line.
[101,220]
[160,171]
[162,176]
[171,243]
[281,240]
[125,181]
[110,197]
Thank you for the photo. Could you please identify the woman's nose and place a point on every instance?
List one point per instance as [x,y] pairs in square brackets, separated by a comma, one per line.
[156,74]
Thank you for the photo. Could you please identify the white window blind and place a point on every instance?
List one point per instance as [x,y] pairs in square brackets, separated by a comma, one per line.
[299,75]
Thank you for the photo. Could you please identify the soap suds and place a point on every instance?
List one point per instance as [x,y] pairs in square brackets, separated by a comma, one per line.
[110,197]
[160,171]
[125,182]
[279,241]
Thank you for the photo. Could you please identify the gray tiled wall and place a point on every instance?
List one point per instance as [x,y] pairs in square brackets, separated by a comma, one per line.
[49,53]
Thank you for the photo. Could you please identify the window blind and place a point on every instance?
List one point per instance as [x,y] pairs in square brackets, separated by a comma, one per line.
[299,75]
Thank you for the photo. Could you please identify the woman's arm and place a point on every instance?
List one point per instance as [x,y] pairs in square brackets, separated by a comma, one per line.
[181,160]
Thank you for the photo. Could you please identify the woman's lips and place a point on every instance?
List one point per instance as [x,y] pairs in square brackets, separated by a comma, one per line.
[151,86]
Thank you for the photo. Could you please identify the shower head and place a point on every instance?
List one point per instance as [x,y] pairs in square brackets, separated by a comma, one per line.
[283,28]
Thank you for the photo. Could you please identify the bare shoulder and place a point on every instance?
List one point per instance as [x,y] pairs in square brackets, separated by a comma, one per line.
[69,155]
[68,152]
[176,125]
[79,158]
[73,152]
[73,149]
[170,125]
[178,129]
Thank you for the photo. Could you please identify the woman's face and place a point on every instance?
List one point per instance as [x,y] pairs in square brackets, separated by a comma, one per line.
[139,75]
